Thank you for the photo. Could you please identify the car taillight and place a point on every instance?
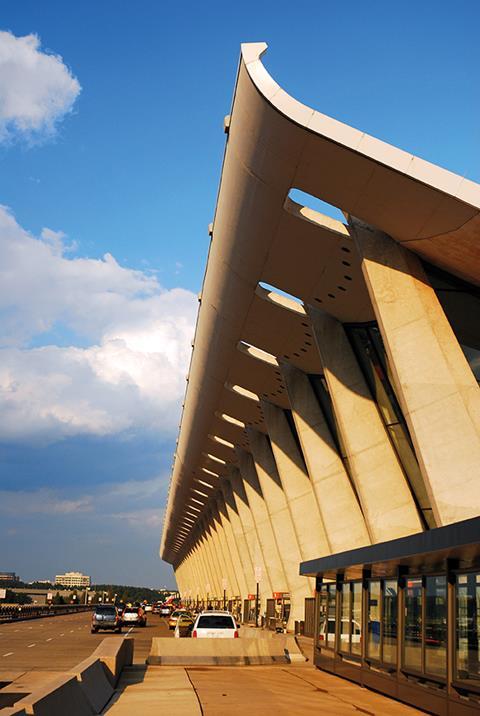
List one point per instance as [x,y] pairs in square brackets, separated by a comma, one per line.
[236,635]
[194,633]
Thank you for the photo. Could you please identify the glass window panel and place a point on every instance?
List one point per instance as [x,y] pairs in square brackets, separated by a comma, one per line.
[332,591]
[356,627]
[436,625]
[468,626]
[390,616]
[407,457]
[345,623]
[373,626]
[413,625]
[322,615]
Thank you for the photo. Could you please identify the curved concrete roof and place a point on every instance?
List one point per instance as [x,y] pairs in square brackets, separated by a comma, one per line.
[259,235]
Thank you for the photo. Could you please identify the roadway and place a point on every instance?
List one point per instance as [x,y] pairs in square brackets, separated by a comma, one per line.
[58,643]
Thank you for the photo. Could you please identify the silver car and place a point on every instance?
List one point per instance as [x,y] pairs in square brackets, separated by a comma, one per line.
[106,616]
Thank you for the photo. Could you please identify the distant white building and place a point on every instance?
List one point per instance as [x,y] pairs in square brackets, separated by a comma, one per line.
[73,579]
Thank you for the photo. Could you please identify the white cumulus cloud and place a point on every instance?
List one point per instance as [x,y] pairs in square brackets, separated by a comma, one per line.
[125,368]
[36,88]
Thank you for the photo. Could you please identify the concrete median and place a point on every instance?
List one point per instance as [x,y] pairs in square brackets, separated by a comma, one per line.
[82,691]
[59,697]
[225,652]
[14,711]
[94,682]
[115,654]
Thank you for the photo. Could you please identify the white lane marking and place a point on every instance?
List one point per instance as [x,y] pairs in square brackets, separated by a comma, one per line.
[9,653]
[30,646]
[49,639]
[71,631]
[62,634]
[128,632]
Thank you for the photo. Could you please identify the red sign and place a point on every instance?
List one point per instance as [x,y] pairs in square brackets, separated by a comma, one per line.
[280,595]
[251,596]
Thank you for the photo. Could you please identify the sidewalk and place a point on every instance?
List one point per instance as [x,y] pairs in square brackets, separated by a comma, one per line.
[233,691]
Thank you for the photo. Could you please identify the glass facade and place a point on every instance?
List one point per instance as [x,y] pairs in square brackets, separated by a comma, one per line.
[467,609]
[373,611]
[326,619]
[346,616]
[461,302]
[413,632]
[368,346]
[436,625]
[390,621]
[412,641]
[356,618]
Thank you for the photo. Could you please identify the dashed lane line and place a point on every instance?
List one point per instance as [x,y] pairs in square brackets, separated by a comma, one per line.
[9,653]
[30,646]
[49,639]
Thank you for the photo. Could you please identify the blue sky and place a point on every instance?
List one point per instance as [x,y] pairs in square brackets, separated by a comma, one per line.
[127,165]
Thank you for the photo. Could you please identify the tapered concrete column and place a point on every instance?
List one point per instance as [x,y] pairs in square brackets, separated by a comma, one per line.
[211,560]
[239,536]
[186,577]
[232,548]
[205,574]
[257,529]
[178,579]
[197,581]
[218,548]
[382,488]
[297,486]
[437,390]
[231,586]
[281,521]
[341,513]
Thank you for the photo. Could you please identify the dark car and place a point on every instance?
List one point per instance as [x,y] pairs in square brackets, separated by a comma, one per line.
[106,616]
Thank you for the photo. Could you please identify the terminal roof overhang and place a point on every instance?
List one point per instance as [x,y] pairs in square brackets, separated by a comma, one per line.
[259,235]
[421,552]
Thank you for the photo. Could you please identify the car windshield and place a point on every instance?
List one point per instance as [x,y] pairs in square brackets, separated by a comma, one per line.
[105,610]
[215,621]
[131,610]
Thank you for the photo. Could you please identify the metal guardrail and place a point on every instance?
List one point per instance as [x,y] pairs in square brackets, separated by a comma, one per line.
[19,612]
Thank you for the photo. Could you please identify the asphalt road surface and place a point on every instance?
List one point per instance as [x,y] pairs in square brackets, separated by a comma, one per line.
[58,643]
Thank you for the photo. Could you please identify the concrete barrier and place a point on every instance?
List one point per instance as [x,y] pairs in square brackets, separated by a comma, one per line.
[225,652]
[14,711]
[59,697]
[94,682]
[82,691]
[115,653]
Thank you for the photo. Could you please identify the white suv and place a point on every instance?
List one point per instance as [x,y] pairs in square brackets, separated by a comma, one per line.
[219,625]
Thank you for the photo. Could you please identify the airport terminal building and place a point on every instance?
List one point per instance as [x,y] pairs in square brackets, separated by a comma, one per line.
[326,473]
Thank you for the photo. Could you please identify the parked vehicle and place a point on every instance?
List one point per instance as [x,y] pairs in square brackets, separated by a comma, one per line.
[172,622]
[184,625]
[134,616]
[217,625]
[106,616]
